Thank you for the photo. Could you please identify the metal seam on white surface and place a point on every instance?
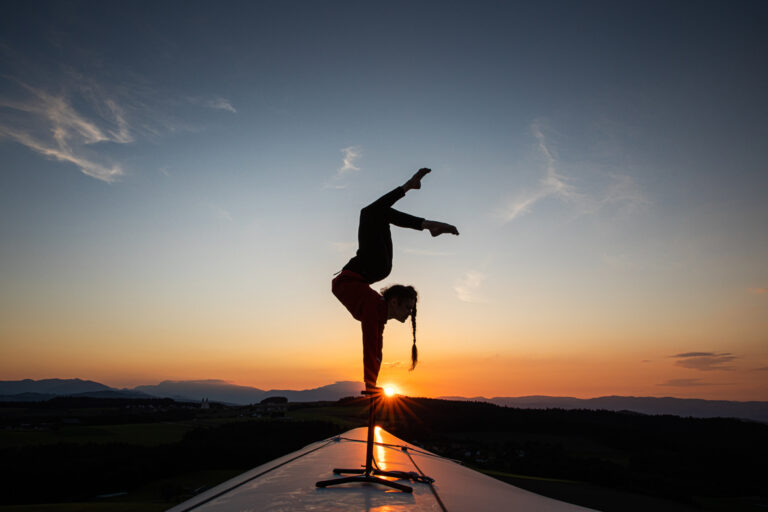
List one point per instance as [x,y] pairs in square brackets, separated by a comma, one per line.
[406,449]
[329,441]
[401,446]
[278,485]
[432,487]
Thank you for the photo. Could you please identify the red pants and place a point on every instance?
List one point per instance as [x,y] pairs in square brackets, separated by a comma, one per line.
[369,308]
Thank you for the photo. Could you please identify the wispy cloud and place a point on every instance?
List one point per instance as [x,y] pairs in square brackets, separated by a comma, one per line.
[694,354]
[685,383]
[123,133]
[468,286]
[617,189]
[77,121]
[551,184]
[215,102]
[220,213]
[50,125]
[351,154]
[349,164]
[759,290]
[621,190]
[705,361]
[63,153]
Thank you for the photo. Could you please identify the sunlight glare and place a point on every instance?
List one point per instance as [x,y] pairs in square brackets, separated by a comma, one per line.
[381,453]
[390,390]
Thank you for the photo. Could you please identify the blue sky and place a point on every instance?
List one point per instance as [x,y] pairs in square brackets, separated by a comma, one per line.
[192,171]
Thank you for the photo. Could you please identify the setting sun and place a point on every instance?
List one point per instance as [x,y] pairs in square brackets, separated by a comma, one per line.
[390,390]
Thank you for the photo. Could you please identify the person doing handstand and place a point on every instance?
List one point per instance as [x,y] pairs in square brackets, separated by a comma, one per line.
[372,263]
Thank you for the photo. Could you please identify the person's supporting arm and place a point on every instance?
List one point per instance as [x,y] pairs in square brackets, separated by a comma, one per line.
[372,345]
[372,342]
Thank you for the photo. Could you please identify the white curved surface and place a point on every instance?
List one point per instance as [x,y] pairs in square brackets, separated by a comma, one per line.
[291,486]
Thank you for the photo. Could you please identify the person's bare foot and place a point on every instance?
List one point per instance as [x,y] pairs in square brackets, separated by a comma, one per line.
[438,228]
[415,181]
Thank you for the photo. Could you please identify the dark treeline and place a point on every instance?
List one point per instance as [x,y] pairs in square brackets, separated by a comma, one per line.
[86,402]
[94,411]
[666,456]
[78,472]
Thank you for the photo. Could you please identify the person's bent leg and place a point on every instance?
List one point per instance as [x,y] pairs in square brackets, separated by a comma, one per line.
[382,204]
[352,291]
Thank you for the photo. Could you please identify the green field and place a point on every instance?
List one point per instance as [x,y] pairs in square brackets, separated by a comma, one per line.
[345,417]
[141,434]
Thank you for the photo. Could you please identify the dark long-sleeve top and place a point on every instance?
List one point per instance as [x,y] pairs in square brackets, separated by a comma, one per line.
[373,260]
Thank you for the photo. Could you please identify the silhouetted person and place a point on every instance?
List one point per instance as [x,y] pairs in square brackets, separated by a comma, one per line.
[373,262]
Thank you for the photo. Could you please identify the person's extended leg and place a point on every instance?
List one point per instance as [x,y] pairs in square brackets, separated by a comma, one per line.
[374,254]
[387,200]
[415,180]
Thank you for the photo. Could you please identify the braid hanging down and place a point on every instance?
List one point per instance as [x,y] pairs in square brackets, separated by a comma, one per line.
[414,350]
[401,292]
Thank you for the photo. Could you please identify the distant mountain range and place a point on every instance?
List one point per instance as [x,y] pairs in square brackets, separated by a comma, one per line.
[189,390]
[221,391]
[757,411]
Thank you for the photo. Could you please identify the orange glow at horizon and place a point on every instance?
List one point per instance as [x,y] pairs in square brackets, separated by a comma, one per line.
[327,349]
[596,372]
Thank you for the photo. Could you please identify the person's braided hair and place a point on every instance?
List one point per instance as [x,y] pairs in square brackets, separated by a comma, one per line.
[401,292]
[414,350]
